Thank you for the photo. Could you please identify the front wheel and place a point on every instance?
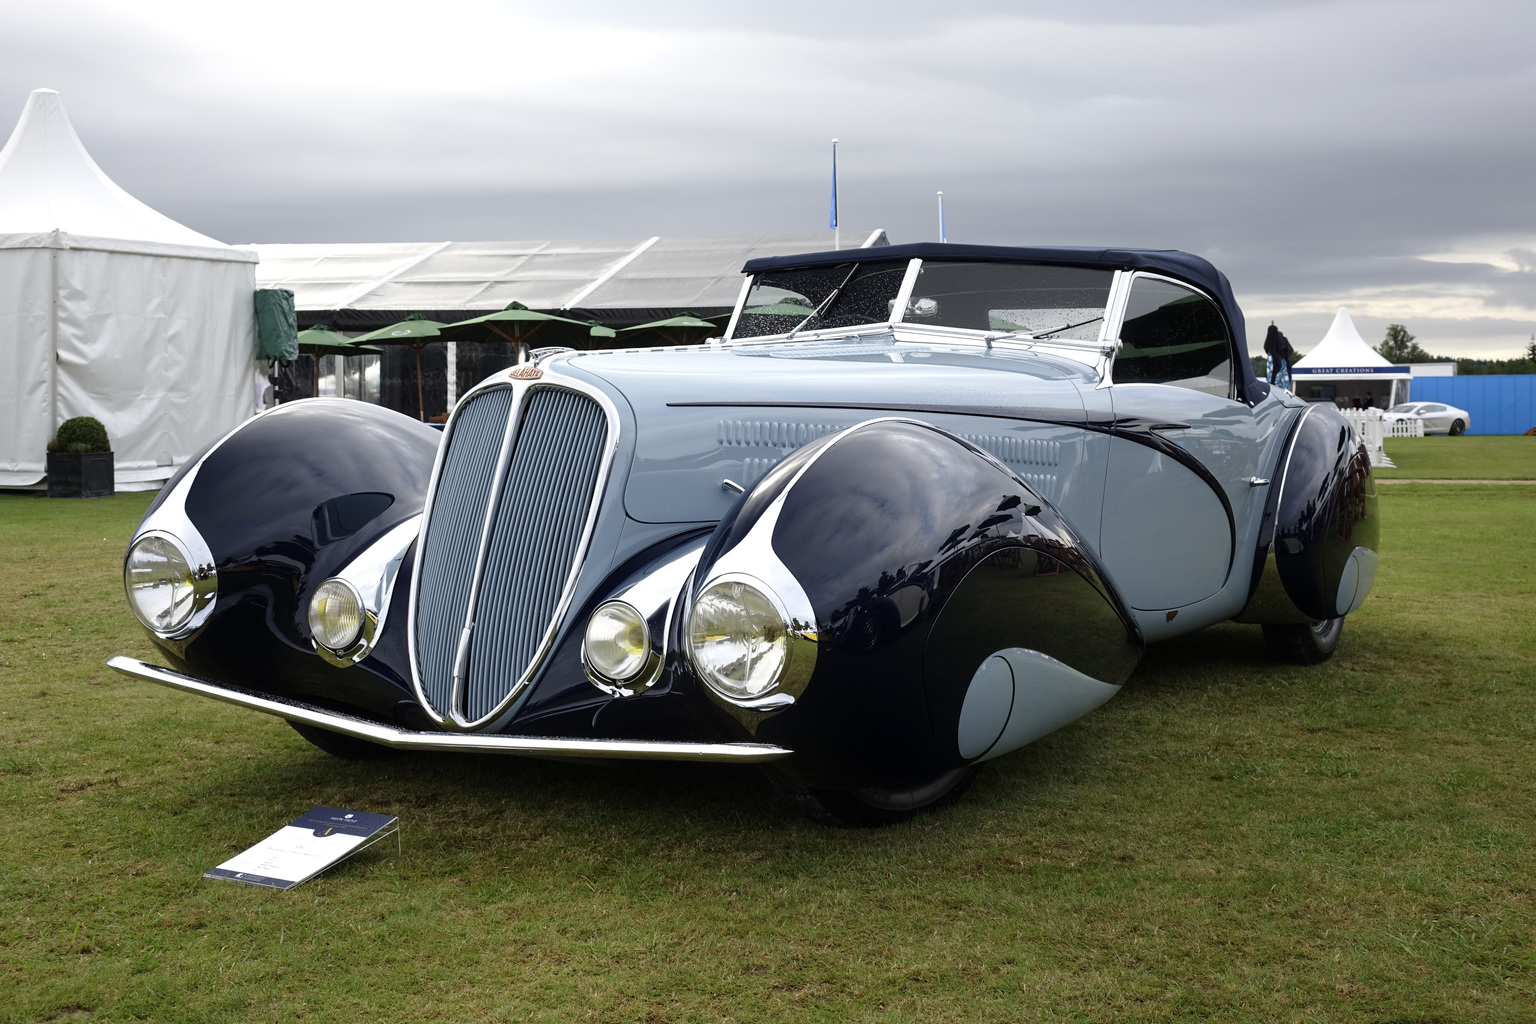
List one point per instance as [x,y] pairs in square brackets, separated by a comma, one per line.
[1306,643]
[872,808]
[1458,428]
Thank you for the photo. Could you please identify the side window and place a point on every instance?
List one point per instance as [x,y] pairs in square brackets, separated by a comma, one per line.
[1173,335]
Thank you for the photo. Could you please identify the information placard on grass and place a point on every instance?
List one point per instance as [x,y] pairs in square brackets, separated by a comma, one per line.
[305,847]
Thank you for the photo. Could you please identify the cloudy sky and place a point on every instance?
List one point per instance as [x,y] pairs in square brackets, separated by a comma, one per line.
[1379,155]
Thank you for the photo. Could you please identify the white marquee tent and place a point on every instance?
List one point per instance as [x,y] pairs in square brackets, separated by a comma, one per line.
[1345,363]
[628,273]
[110,309]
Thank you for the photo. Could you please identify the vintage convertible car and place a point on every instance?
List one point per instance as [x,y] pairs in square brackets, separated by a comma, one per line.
[920,506]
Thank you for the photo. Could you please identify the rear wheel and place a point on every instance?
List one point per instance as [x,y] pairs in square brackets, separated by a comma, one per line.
[1306,643]
[339,745]
[1458,428]
[872,808]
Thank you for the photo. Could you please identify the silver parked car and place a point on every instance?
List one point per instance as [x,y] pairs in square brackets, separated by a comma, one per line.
[918,507]
[1437,417]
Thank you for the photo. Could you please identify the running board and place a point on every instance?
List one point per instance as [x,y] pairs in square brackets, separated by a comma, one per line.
[452,742]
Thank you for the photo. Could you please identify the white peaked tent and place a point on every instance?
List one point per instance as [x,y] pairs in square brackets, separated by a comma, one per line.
[1344,361]
[109,309]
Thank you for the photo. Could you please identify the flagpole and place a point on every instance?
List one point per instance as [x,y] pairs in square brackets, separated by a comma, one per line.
[837,234]
[942,236]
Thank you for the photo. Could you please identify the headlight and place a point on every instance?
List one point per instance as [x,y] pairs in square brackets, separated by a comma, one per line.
[335,614]
[164,589]
[738,640]
[617,642]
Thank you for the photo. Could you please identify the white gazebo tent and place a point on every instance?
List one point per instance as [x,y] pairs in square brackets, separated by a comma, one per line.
[110,309]
[1343,366]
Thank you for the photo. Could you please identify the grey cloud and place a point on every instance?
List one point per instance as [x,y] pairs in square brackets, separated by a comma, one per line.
[1312,150]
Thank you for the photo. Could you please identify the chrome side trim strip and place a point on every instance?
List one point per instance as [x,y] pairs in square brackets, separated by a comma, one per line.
[407,739]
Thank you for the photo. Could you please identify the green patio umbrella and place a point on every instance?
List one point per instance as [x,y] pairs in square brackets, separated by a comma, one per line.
[320,340]
[412,331]
[685,329]
[517,324]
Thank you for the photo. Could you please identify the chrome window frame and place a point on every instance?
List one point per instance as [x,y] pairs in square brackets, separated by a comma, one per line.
[521,385]
[1120,295]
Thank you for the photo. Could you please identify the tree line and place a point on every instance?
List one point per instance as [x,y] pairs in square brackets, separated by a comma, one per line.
[1399,347]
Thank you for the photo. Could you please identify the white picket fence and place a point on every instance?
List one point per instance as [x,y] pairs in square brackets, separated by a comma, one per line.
[1404,428]
[1373,430]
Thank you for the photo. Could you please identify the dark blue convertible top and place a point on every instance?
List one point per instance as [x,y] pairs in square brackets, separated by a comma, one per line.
[1171,262]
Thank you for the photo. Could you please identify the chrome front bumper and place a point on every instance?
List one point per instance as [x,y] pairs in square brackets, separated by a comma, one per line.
[480,743]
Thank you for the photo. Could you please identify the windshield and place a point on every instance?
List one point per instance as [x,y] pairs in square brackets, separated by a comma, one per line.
[820,298]
[1404,407]
[1034,300]
[1041,301]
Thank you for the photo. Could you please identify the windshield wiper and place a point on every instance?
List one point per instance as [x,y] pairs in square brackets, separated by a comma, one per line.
[1058,330]
[825,303]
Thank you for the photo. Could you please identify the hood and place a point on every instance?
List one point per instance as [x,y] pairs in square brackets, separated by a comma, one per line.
[708,420]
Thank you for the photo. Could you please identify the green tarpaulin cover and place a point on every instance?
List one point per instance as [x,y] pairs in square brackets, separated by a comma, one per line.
[277,326]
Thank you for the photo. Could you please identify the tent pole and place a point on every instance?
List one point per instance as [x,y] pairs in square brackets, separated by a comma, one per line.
[421,403]
[53,342]
[315,358]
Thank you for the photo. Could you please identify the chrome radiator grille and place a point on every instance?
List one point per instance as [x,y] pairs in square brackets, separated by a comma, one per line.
[503,537]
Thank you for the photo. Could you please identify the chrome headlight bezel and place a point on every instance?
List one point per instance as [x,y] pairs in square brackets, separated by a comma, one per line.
[344,654]
[371,577]
[799,655]
[202,577]
[654,594]
[646,671]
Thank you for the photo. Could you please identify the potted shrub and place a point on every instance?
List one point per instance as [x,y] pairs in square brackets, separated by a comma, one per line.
[80,460]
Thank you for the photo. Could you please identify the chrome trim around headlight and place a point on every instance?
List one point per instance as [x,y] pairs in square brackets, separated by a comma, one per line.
[754,562]
[653,597]
[205,579]
[800,642]
[371,575]
[170,521]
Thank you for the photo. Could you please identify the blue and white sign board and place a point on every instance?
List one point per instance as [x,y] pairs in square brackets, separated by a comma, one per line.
[305,847]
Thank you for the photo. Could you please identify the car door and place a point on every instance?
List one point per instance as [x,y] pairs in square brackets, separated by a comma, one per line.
[1184,450]
[1437,418]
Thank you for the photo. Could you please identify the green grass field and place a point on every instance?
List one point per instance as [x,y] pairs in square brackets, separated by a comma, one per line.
[1491,457]
[1227,839]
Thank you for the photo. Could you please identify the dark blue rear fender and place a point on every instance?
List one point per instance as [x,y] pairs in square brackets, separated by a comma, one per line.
[283,503]
[884,527]
[1317,552]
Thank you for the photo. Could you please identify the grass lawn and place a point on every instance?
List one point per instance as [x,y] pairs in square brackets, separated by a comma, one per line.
[1227,839]
[1482,457]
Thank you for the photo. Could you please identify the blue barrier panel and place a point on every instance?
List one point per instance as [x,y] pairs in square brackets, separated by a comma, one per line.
[1503,403]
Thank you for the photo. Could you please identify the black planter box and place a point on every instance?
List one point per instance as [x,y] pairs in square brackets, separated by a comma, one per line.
[80,475]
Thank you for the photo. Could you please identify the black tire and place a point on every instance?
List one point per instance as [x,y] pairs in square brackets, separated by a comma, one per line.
[1458,428]
[872,808]
[338,745]
[1306,643]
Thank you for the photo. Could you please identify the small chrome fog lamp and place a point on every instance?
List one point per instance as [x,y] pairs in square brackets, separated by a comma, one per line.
[738,640]
[617,644]
[336,614]
[165,589]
